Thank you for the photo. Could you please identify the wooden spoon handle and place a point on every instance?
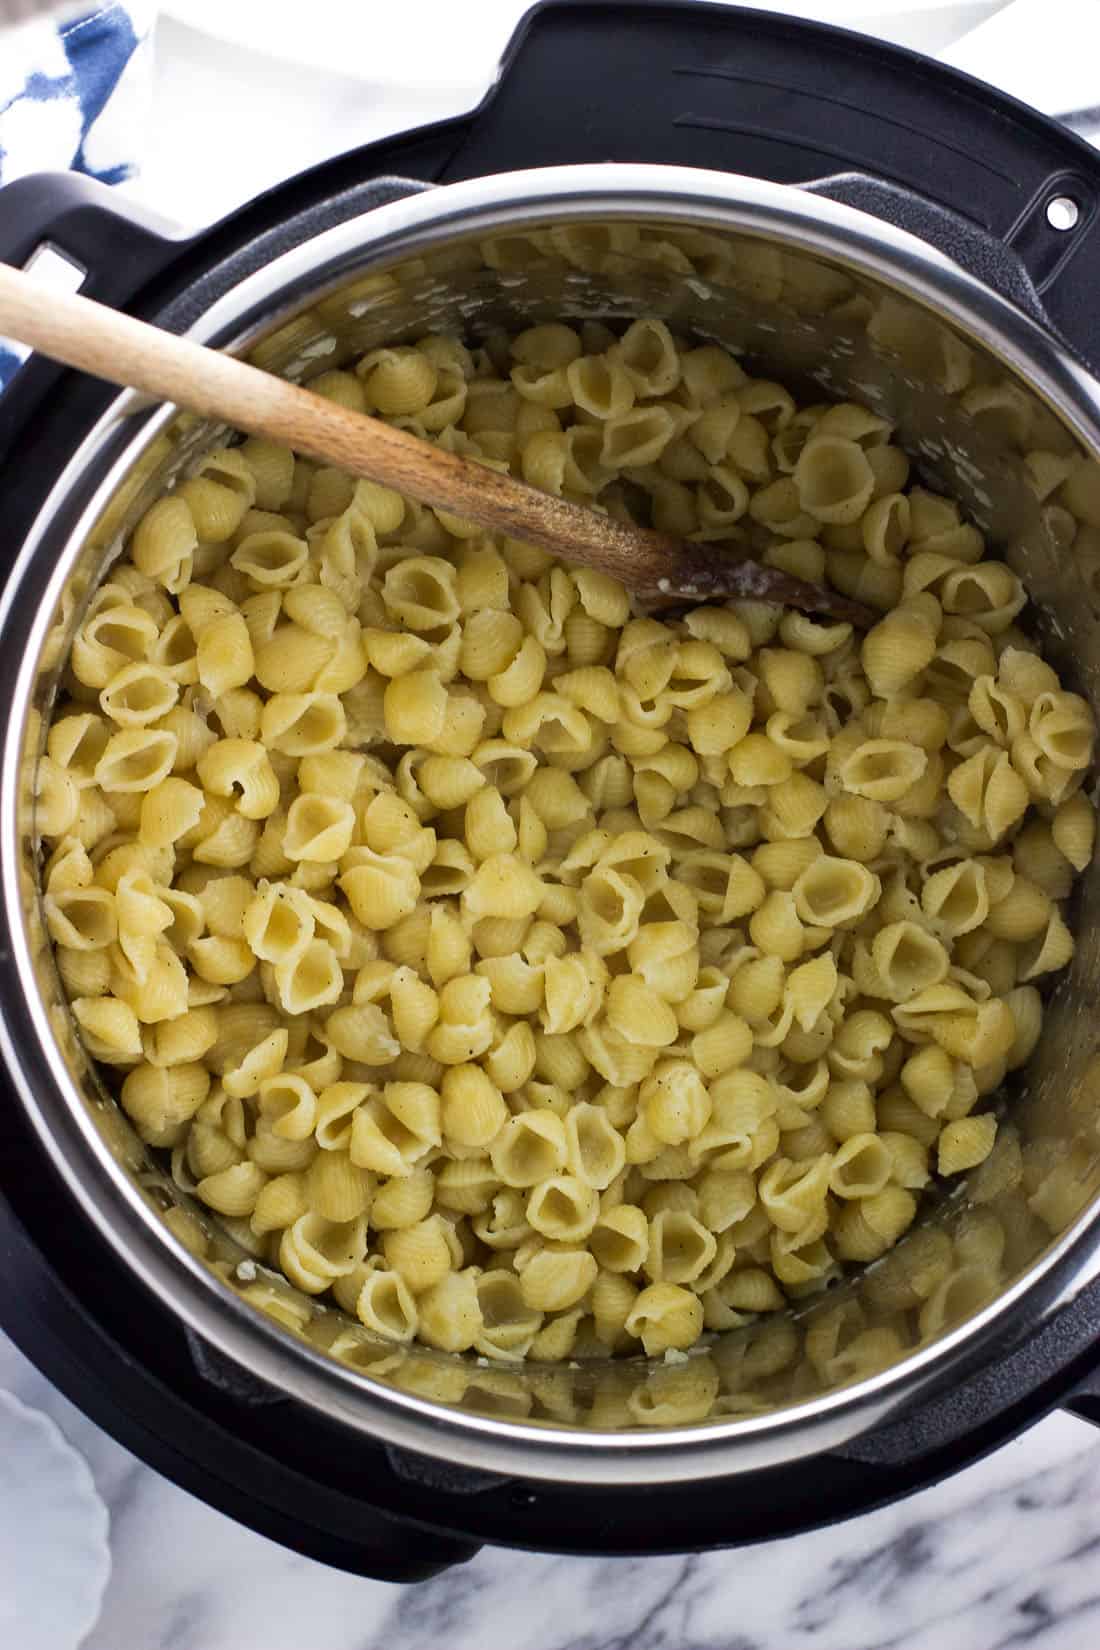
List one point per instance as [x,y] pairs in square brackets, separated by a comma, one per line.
[83,333]
[655,566]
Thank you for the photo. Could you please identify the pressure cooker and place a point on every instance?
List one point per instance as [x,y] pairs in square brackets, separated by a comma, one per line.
[852,219]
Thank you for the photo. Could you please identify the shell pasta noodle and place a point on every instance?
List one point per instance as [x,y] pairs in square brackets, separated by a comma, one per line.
[527,976]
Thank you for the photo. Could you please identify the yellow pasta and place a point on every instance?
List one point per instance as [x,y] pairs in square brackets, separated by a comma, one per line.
[965,1143]
[665,1316]
[535,978]
[896,650]
[1074,831]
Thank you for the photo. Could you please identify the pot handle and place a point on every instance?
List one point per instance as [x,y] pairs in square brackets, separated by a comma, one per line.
[129,258]
[121,246]
[1084,1400]
[1081,1319]
[787,99]
[994,262]
[374,1543]
[117,244]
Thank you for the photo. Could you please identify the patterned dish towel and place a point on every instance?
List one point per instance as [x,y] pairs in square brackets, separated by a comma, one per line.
[74,95]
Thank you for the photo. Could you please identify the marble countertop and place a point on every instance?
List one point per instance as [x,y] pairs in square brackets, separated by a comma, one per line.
[1005,1554]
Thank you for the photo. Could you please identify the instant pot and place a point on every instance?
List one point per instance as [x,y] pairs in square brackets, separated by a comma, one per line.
[855,220]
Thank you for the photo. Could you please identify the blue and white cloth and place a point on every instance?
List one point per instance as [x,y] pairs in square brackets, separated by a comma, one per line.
[74,95]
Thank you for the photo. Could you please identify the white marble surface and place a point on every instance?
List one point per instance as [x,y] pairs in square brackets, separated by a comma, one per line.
[1006,1554]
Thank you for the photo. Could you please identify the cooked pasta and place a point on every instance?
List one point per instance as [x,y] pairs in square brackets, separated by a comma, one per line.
[532,977]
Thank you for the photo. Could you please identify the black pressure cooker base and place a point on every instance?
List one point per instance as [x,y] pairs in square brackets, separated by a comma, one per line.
[583,80]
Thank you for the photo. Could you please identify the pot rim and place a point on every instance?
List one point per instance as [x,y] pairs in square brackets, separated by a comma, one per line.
[778,212]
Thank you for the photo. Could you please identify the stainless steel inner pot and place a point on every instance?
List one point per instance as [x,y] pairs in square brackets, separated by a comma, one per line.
[813,294]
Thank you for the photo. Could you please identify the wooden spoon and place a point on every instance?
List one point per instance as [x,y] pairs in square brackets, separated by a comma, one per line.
[661,570]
